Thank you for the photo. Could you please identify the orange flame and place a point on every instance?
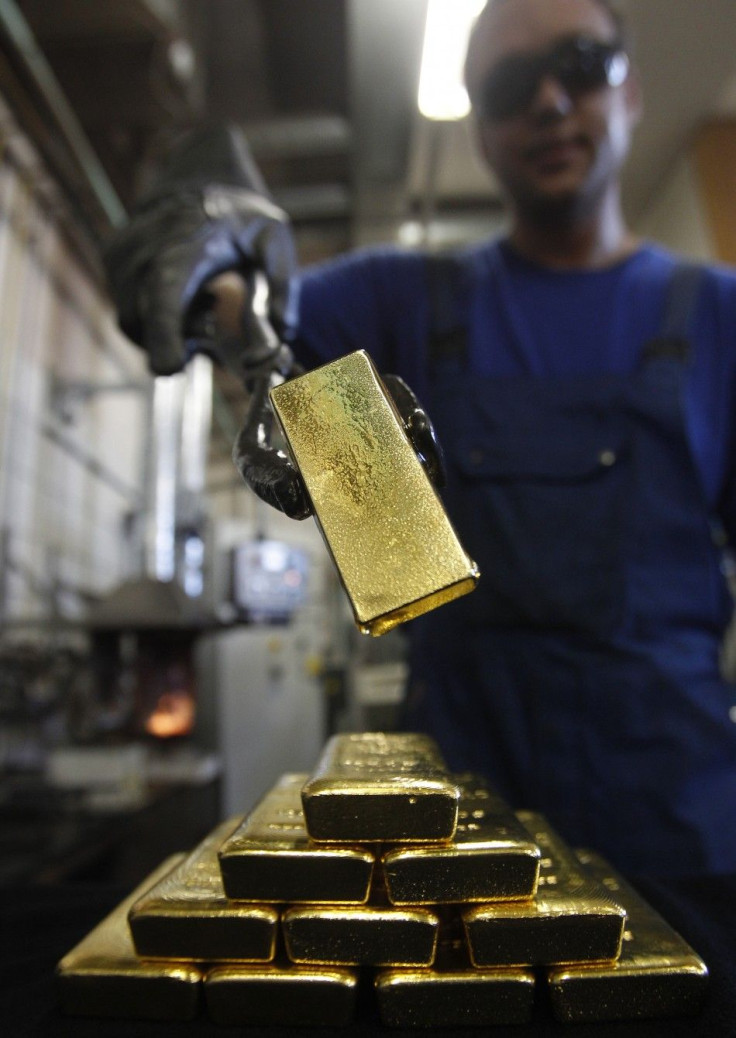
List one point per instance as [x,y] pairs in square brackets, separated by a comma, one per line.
[174,715]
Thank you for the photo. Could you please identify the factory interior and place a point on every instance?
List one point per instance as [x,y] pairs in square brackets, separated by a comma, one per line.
[169,645]
[173,650]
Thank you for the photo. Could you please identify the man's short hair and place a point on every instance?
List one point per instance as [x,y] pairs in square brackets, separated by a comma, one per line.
[611,8]
[623,34]
[619,22]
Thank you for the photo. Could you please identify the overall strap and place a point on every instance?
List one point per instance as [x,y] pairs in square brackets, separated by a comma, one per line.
[448,308]
[449,297]
[672,342]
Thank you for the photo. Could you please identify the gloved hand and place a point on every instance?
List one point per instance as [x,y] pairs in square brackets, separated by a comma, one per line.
[207,213]
[270,473]
[418,427]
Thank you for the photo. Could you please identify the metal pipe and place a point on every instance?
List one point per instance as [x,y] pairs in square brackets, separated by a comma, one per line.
[196,423]
[90,462]
[16,28]
[168,408]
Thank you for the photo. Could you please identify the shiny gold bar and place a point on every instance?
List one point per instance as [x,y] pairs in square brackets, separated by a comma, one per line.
[270,857]
[376,934]
[103,976]
[187,915]
[281,994]
[657,974]
[572,917]
[454,993]
[383,523]
[373,786]
[491,857]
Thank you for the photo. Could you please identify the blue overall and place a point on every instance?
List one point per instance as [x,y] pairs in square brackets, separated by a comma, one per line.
[558,678]
[582,676]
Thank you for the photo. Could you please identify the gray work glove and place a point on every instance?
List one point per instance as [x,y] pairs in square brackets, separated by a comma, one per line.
[271,474]
[207,213]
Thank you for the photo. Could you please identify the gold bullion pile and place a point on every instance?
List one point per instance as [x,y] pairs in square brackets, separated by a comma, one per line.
[381,868]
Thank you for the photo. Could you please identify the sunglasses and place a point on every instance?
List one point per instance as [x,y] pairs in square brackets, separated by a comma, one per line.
[579,64]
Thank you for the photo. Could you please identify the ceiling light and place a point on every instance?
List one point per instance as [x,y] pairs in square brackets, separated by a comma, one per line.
[441,91]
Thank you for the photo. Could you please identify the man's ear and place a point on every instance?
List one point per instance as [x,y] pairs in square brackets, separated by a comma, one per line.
[480,140]
[634,96]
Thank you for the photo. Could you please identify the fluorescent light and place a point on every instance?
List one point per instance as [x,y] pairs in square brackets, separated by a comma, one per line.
[441,91]
[410,233]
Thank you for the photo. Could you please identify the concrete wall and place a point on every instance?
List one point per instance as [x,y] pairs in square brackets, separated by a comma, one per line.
[677,216]
[70,469]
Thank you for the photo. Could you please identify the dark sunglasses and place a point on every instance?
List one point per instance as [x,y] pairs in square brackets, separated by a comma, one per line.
[579,64]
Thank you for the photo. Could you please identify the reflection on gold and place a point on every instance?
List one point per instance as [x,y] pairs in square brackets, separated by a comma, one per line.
[270,857]
[491,856]
[572,917]
[383,522]
[376,934]
[103,976]
[376,786]
[454,993]
[281,994]
[657,974]
[187,915]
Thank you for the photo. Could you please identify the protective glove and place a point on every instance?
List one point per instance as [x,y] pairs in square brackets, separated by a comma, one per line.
[418,427]
[209,212]
[271,474]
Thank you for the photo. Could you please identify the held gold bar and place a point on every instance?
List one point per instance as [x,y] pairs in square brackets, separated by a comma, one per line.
[374,786]
[187,915]
[492,857]
[383,523]
[572,917]
[376,934]
[103,976]
[281,994]
[657,974]
[454,993]
[270,857]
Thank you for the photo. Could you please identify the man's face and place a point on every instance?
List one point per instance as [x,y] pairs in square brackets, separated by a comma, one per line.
[563,147]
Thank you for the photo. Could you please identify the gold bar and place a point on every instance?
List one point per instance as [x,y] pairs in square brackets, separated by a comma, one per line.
[375,934]
[491,857]
[384,525]
[373,786]
[657,975]
[270,857]
[572,917]
[103,976]
[454,993]
[281,994]
[187,916]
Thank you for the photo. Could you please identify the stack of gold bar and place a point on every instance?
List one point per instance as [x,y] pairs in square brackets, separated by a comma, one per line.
[381,868]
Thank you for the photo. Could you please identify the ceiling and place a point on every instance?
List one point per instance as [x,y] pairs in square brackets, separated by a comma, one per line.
[326,93]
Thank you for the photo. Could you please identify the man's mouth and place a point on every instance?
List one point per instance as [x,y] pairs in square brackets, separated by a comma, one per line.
[555,153]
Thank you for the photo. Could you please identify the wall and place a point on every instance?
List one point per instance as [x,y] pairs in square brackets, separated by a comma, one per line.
[70,469]
[677,216]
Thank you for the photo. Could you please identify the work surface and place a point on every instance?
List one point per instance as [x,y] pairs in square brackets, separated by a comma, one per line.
[40,924]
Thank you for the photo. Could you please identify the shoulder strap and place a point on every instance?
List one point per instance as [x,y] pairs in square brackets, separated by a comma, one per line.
[673,340]
[449,297]
[448,309]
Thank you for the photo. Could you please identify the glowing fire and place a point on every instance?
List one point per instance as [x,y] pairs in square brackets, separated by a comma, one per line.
[174,715]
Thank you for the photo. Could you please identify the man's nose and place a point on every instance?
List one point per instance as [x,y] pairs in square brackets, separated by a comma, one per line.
[551,98]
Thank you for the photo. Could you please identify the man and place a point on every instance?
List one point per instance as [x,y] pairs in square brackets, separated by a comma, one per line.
[582,386]
[559,164]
